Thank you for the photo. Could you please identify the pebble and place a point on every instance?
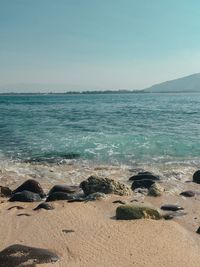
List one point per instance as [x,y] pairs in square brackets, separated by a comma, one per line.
[171,207]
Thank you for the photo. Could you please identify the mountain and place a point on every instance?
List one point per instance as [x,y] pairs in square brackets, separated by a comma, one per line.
[189,83]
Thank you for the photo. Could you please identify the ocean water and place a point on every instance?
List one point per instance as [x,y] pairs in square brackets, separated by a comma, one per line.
[101,128]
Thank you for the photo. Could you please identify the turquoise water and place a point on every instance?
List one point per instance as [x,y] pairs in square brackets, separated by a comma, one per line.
[101,128]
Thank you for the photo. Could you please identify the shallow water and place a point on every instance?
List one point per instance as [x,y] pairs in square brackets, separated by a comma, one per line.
[154,131]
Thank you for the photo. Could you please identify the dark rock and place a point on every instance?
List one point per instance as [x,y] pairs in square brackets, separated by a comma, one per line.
[16,207]
[171,207]
[25,196]
[144,176]
[32,186]
[168,216]
[104,185]
[188,193]
[79,199]
[142,184]
[198,231]
[45,206]
[145,173]
[131,212]
[173,214]
[19,255]
[59,196]
[119,202]
[5,191]
[196,177]
[67,231]
[24,214]
[70,189]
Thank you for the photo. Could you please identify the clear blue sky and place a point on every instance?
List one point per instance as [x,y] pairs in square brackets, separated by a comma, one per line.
[96,44]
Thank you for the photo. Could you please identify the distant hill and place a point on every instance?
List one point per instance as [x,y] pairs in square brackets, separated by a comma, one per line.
[186,84]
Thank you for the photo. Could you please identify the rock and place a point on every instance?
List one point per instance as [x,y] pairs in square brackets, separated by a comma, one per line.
[70,189]
[168,216]
[142,184]
[104,185]
[144,176]
[155,190]
[188,193]
[198,231]
[132,212]
[171,207]
[196,177]
[171,215]
[67,231]
[143,191]
[19,255]
[5,191]
[142,172]
[119,202]
[16,207]
[95,196]
[78,199]
[45,206]
[32,186]
[134,200]
[25,196]
[59,196]
[24,214]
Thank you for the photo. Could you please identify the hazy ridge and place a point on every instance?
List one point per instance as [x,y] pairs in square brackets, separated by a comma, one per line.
[189,83]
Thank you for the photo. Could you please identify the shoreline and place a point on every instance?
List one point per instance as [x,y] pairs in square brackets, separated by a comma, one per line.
[75,171]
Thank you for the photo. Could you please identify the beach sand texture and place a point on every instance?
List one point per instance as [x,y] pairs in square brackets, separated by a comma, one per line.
[98,238]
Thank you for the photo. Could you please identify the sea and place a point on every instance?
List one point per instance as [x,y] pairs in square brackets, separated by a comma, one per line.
[43,136]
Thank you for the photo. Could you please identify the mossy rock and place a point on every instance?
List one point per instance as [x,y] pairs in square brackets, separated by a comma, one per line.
[131,212]
[104,185]
[155,190]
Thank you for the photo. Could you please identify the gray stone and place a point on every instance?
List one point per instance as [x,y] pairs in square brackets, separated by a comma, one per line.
[32,186]
[45,206]
[25,196]
[59,196]
[188,193]
[171,207]
[69,189]
[144,176]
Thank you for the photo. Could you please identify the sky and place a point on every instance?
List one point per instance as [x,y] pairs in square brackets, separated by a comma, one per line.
[64,45]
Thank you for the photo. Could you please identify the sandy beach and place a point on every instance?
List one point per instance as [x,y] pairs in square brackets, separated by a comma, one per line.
[88,234]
